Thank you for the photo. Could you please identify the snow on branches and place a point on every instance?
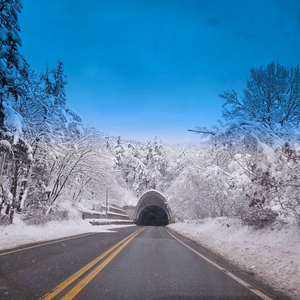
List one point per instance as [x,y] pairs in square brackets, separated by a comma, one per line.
[260,136]
[271,97]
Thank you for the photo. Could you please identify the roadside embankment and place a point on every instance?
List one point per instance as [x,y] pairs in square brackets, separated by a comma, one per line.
[271,254]
[18,234]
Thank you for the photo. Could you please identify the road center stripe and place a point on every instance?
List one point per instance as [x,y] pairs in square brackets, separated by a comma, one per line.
[75,276]
[72,293]
[239,280]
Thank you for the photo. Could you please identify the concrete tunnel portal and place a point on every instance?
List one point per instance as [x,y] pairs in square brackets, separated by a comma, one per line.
[152,210]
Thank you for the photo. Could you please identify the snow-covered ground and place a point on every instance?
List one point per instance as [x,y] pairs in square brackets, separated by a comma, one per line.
[19,234]
[271,254]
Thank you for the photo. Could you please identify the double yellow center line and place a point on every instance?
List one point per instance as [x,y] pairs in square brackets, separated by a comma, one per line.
[79,286]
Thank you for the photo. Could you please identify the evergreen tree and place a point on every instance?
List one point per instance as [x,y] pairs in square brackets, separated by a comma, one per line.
[60,81]
[119,151]
[48,84]
[13,67]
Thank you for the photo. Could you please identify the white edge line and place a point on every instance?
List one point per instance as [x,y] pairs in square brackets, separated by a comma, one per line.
[242,282]
[40,245]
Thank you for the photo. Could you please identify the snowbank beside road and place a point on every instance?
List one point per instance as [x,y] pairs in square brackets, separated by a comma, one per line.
[271,254]
[19,234]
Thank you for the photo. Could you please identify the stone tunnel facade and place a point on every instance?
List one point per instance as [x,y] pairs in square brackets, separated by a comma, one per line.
[152,209]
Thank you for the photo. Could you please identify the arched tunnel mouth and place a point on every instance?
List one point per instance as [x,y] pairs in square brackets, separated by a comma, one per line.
[153,215]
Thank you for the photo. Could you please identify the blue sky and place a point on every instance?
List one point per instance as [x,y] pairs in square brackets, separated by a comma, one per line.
[142,69]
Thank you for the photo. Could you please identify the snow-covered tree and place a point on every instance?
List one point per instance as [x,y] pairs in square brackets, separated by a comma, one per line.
[257,143]
[60,81]
[271,97]
[47,154]
[13,67]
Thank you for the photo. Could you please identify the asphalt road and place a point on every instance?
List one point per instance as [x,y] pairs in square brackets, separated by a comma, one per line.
[148,264]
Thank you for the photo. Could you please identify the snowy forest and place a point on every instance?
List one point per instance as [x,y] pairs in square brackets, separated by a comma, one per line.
[53,165]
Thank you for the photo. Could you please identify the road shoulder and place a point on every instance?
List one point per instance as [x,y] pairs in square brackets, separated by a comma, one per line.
[251,279]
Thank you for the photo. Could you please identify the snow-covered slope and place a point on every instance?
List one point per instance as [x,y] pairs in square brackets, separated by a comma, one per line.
[271,254]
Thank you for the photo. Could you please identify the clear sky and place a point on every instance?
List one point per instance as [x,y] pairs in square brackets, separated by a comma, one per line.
[142,69]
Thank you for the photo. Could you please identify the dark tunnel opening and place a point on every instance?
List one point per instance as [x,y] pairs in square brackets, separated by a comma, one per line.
[153,216]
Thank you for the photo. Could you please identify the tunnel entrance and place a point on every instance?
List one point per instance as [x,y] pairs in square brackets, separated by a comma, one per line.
[153,216]
[152,209]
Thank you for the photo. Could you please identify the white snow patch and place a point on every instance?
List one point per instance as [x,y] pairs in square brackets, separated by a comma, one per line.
[13,121]
[19,234]
[5,143]
[271,254]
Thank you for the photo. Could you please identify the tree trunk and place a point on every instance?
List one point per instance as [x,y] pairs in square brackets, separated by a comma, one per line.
[24,189]
[14,193]
[2,116]
[1,172]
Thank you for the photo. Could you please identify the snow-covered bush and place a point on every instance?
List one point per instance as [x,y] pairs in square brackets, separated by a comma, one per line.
[37,217]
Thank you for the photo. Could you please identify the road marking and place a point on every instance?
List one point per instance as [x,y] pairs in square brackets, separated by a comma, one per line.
[48,243]
[76,289]
[75,276]
[239,280]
